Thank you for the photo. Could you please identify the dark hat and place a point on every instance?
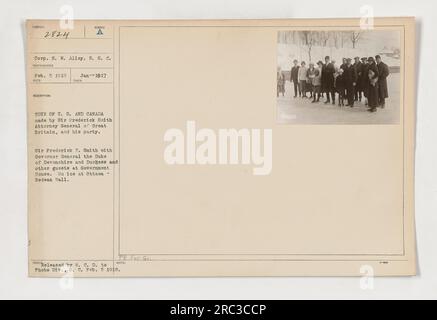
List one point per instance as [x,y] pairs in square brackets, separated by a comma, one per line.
[371,59]
[319,62]
[363,58]
[357,58]
[348,59]
[327,57]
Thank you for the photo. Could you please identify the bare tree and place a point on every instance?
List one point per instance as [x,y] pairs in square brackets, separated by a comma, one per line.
[355,37]
[336,37]
[342,37]
[309,40]
[324,38]
[287,37]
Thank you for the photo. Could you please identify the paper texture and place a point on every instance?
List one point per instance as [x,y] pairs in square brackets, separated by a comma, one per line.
[177,148]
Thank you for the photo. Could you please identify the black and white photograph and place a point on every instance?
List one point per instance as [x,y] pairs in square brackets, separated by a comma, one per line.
[339,77]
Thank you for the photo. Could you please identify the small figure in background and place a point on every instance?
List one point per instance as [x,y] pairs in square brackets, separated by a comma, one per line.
[280,82]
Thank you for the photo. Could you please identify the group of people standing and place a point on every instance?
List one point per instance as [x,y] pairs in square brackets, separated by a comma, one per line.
[366,79]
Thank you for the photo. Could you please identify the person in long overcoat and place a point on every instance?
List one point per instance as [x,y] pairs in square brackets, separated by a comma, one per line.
[317,82]
[340,87]
[364,77]
[383,74]
[328,71]
[294,78]
[373,85]
[359,69]
[350,81]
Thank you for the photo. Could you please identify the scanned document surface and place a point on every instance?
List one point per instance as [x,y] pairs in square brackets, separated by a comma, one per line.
[221,148]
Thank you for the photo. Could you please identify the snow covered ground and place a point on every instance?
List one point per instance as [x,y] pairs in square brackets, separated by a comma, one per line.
[301,111]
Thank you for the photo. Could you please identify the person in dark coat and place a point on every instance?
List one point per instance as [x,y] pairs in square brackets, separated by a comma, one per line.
[350,81]
[364,81]
[340,87]
[294,78]
[311,74]
[343,64]
[358,68]
[382,80]
[317,82]
[373,85]
[328,71]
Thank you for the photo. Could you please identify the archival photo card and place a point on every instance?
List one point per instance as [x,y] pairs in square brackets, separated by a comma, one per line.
[221,148]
